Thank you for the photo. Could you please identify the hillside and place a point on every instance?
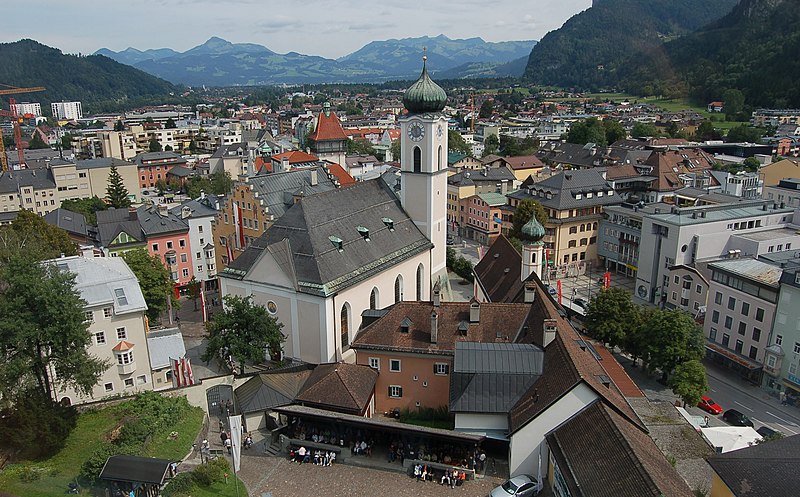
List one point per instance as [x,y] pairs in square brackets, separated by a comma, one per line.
[753,49]
[218,62]
[96,81]
[592,49]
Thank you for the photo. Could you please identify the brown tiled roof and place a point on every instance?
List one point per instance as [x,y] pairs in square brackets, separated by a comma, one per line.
[340,174]
[762,470]
[497,323]
[340,386]
[601,454]
[567,361]
[623,171]
[524,162]
[497,284]
[617,373]
[668,165]
[295,157]
[328,128]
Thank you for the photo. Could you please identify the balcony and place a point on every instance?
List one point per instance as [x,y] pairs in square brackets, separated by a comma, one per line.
[124,369]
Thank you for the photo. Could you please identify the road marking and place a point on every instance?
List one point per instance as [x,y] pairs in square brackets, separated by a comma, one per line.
[786,428]
[745,407]
[777,417]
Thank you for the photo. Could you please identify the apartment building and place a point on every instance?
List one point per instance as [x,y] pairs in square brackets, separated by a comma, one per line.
[782,355]
[167,237]
[70,111]
[23,108]
[687,289]
[484,217]
[786,192]
[199,215]
[115,313]
[154,166]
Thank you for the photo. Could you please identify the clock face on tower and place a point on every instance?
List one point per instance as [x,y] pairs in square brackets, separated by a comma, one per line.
[416,132]
[439,131]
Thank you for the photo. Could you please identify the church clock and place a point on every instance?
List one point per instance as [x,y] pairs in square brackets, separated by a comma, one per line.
[416,132]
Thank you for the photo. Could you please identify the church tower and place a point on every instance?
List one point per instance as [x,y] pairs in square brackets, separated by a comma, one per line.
[423,144]
[532,248]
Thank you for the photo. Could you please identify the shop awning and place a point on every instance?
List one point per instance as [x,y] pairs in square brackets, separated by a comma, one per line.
[733,356]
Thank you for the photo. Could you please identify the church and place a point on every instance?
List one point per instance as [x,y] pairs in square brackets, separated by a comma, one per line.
[336,254]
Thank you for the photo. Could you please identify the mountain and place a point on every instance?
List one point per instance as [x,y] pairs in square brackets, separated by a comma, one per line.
[753,49]
[593,49]
[131,55]
[218,62]
[513,69]
[96,81]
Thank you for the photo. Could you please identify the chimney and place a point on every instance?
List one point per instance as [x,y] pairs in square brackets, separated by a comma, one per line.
[163,210]
[549,331]
[530,292]
[474,312]
[185,212]
[314,179]
[284,164]
[202,194]
[434,327]
[132,215]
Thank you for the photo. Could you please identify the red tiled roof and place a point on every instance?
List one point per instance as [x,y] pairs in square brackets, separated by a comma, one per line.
[328,128]
[525,162]
[295,157]
[617,373]
[339,386]
[262,165]
[122,346]
[338,171]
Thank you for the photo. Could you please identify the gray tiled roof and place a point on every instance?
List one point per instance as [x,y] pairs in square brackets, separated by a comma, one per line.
[506,358]
[267,390]
[39,179]
[112,222]
[272,188]
[165,345]
[101,162]
[71,222]
[154,223]
[308,225]
[486,174]
[170,157]
[198,208]
[565,187]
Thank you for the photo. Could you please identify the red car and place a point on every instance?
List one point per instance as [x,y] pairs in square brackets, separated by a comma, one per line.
[709,406]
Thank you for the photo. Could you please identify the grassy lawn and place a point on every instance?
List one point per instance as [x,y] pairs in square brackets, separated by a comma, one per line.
[220,489]
[50,477]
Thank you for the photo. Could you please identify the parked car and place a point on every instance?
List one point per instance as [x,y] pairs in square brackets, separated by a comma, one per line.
[735,418]
[450,240]
[709,406]
[551,290]
[519,486]
[580,302]
[766,432]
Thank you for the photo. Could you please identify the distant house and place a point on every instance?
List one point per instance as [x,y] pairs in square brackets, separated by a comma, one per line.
[73,223]
[716,106]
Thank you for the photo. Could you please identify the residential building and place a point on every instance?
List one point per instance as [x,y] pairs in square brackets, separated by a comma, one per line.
[70,111]
[294,159]
[687,289]
[328,141]
[619,236]
[167,237]
[685,235]
[199,215]
[235,159]
[675,169]
[23,108]
[73,223]
[119,230]
[340,387]
[154,166]
[786,192]
[29,189]
[775,117]
[751,471]
[782,355]
[743,294]
[575,201]
[413,343]
[359,165]
[164,345]
[484,217]
[742,184]
[464,185]
[118,144]
[115,314]
[773,173]
[524,165]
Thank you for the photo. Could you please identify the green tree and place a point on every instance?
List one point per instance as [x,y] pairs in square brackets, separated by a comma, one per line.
[66,141]
[119,126]
[43,328]
[154,280]
[36,142]
[644,130]
[221,183]
[706,131]
[636,342]
[751,164]
[244,331]
[614,131]
[86,206]
[675,338]
[360,147]
[514,147]
[733,103]
[611,314]
[456,143]
[116,193]
[155,145]
[689,381]
[587,131]
[491,145]
[192,146]
[194,291]
[30,235]
[168,148]
[487,109]
[394,149]
[161,186]
[744,133]
[196,184]
[522,214]
[170,124]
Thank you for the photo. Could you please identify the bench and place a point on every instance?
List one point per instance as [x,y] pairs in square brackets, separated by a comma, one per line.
[439,467]
[310,444]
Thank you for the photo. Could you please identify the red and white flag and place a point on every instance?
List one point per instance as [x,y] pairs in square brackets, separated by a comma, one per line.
[203,301]
[189,374]
[176,373]
[230,251]
[182,372]
[558,286]
[238,225]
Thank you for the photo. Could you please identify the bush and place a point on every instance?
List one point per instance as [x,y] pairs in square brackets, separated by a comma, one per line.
[215,470]
[36,428]
[91,467]
[180,485]
[134,432]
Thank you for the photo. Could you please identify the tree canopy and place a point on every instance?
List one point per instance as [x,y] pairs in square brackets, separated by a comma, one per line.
[491,145]
[674,338]
[611,315]
[154,146]
[245,331]
[86,206]
[116,193]
[456,143]
[31,236]
[644,130]
[593,130]
[154,280]
[360,147]
[689,381]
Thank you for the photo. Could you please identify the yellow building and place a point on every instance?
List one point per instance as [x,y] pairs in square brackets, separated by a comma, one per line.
[771,174]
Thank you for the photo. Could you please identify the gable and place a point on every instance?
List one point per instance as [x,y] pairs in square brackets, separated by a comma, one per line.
[268,267]
[123,238]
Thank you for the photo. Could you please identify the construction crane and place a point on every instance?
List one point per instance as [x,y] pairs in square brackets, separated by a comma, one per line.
[13,90]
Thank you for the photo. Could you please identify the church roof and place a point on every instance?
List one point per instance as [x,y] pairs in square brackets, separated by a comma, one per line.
[328,127]
[424,95]
[328,251]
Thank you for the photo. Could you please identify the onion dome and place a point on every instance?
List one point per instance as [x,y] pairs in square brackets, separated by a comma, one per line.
[424,95]
[533,231]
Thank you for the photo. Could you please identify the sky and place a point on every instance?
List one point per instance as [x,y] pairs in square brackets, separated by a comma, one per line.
[329,28]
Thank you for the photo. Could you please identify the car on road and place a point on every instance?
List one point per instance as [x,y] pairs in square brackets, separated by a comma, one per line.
[580,302]
[551,290]
[766,432]
[709,406]
[736,418]
[518,486]
[450,240]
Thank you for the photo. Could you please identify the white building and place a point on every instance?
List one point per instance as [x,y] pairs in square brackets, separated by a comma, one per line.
[199,214]
[115,311]
[21,109]
[67,110]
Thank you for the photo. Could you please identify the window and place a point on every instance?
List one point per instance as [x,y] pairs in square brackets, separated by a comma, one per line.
[100,337]
[419,282]
[417,160]
[572,244]
[796,348]
[169,245]
[185,273]
[183,258]
[128,382]
[441,368]
[759,315]
[121,334]
[728,322]
[778,339]
[696,306]
[674,296]
[771,361]
[715,317]
[676,279]
[718,298]
[394,365]
[739,346]
[396,391]
[375,363]
[344,317]
[109,387]
[182,243]
[155,247]
[398,289]
[726,339]
[141,379]
[200,229]
[742,328]
[89,317]
[712,335]
[125,358]
[373,299]
[107,312]
[753,352]
[745,309]
[756,334]
[731,303]
[122,300]
[573,230]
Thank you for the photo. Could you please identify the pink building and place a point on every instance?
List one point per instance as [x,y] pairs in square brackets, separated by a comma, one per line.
[168,238]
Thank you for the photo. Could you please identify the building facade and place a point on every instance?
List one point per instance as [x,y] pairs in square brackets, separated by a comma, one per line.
[71,111]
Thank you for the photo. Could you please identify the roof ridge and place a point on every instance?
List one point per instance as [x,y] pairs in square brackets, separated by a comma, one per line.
[344,383]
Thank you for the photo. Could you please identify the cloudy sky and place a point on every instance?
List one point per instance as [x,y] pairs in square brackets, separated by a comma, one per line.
[330,28]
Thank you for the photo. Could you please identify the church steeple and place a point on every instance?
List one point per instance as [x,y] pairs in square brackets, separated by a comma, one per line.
[424,95]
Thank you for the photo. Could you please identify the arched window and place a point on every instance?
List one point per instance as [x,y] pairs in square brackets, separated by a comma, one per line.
[439,165]
[420,269]
[398,289]
[417,160]
[345,317]
[373,298]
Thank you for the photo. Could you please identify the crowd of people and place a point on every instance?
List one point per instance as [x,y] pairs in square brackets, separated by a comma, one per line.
[450,477]
[317,457]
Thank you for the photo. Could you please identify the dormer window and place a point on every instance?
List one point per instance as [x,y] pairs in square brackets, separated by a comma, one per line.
[463,327]
[389,223]
[122,300]
[405,325]
[337,242]
[599,194]
[364,232]
[589,195]
[578,196]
